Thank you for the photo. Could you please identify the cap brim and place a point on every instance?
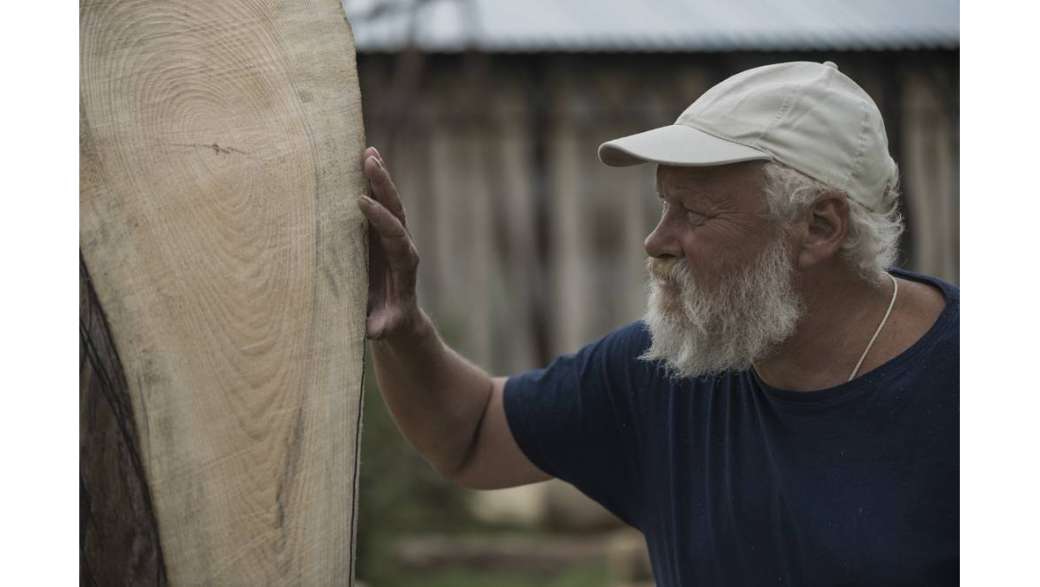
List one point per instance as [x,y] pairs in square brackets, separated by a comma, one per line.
[676,145]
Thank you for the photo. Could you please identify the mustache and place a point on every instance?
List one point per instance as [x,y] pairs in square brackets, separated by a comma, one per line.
[668,270]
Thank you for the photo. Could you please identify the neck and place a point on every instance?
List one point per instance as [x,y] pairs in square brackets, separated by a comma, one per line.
[842,311]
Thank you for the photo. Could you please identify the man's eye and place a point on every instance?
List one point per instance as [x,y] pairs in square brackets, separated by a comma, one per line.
[693,216]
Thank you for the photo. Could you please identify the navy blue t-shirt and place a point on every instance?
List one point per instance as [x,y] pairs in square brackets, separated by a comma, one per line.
[733,482]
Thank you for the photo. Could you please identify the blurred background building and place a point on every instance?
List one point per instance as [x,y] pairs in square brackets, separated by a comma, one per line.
[489,113]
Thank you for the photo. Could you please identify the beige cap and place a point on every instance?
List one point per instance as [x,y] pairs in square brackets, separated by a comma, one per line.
[808,116]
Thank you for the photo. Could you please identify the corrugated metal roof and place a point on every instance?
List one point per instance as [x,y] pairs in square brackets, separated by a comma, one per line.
[655,25]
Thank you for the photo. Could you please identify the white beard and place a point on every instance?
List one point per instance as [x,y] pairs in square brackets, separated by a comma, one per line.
[697,332]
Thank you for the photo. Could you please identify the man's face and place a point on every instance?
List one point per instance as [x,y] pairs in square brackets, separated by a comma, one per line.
[721,293]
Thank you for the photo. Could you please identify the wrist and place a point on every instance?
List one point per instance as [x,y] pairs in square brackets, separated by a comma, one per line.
[414,328]
[417,325]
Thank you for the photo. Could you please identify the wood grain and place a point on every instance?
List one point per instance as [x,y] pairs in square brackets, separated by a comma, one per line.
[220,164]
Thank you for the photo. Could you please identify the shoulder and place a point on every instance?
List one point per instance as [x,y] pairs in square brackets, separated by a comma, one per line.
[930,320]
[608,369]
[630,340]
[613,359]
[938,290]
[926,302]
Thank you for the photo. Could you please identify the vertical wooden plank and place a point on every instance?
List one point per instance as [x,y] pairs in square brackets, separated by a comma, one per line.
[411,171]
[463,234]
[618,195]
[571,267]
[518,280]
[438,262]
[475,195]
[221,145]
[603,213]
[930,180]
[635,189]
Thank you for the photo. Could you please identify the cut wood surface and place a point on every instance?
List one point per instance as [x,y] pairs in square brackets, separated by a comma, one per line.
[220,166]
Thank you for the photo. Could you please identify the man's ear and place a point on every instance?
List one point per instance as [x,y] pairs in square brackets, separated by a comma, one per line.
[825,229]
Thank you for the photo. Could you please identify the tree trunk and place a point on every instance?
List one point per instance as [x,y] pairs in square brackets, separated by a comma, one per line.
[222,292]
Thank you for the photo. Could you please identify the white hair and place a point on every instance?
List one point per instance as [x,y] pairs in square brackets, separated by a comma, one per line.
[872,242]
[703,331]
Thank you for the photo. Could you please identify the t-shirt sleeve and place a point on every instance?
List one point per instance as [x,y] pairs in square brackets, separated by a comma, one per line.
[577,419]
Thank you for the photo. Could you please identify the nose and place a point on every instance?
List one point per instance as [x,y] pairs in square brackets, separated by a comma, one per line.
[661,243]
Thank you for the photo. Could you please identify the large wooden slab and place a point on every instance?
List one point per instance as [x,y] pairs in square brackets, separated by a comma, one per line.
[220,163]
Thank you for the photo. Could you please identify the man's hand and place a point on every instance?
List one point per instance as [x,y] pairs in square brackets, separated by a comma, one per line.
[451,410]
[392,256]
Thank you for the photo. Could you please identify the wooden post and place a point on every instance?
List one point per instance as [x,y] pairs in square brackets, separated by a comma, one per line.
[223,292]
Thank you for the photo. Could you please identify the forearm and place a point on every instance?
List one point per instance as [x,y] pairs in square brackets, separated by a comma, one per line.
[436,396]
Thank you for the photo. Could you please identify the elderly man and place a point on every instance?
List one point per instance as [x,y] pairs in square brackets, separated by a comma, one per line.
[786,412]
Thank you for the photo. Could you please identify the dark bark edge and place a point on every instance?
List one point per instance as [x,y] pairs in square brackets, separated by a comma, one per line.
[119,531]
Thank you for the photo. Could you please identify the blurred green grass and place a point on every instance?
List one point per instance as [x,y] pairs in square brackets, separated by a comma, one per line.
[586,576]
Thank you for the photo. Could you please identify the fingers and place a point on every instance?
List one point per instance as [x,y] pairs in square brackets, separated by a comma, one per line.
[393,260]
[373,152]
[392,235]
[393,292]
[383,188]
